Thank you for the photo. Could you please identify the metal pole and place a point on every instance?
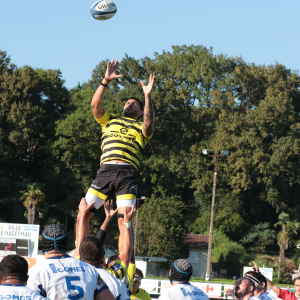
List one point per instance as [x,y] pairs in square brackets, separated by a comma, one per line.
[211,227]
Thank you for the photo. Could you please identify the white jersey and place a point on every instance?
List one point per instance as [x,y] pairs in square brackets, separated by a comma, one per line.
[271,296]
[19,292]
[65,277]
[183,291]
[264,296]
[115,285]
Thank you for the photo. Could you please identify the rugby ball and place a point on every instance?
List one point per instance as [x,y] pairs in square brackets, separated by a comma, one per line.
[103,10]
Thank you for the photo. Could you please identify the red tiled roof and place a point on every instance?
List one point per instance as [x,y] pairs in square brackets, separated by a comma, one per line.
[197,240]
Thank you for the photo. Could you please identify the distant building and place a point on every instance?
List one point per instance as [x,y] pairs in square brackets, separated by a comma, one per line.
[198,244]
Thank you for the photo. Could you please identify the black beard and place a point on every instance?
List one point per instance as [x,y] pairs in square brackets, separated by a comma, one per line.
[129,114]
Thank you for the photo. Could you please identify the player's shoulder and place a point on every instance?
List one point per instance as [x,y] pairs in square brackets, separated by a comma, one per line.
[253,298]
[264,296]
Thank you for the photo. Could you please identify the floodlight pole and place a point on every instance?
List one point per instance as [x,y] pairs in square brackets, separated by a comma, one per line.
[211,227]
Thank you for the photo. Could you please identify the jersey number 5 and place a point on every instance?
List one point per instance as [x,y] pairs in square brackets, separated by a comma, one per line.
[74,287]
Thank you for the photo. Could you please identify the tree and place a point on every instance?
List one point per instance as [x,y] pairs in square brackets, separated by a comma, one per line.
[34,201]
[288,228]
[258,238]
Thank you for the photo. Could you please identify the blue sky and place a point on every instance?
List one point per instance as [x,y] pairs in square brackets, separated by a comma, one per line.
[61,34]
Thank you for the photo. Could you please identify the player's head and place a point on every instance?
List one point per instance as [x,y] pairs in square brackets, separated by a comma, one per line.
[133,108]
[243,287]
[297,286]
[91,250]
[255,278]
[263,281]
[54,237]
[138,276]
[111,260]
[181,271]
[14,267]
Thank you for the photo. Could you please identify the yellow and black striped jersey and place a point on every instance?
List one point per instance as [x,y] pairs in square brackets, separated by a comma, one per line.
[122,138]
[141,294]
[118,269]
[131,272]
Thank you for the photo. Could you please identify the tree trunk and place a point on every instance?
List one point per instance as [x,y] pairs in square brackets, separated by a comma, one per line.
[281,259]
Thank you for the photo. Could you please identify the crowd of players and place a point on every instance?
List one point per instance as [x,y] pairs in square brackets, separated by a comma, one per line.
[84,274]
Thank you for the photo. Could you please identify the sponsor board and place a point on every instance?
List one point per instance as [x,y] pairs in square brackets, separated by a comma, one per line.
[213,290]
[150,286]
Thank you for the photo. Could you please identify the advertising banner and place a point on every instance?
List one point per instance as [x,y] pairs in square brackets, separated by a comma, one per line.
[150,286]
[213,290]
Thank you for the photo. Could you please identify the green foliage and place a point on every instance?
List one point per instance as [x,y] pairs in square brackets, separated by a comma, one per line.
[258,238]
[201,101]
[227,254]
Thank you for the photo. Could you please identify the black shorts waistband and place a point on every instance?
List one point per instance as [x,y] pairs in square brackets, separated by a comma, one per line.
[116,166]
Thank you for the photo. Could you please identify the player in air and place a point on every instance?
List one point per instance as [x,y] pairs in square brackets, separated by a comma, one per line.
[180,274]
[13,279]
[123,141]
[60,276]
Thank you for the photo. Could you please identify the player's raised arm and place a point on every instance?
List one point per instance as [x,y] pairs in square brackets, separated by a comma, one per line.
[148,124]
[82,224]
[110,74]
[127,248]
[110,213]
[270,283]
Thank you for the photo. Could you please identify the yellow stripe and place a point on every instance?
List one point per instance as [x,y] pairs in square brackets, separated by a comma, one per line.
[126,197]
[97,194]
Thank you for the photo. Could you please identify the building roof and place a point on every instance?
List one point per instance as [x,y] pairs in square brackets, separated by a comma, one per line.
[197,240]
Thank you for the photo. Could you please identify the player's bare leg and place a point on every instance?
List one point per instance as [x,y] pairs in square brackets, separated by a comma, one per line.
[121,226]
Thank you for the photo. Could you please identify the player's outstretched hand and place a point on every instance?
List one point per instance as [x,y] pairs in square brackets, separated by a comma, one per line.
[255,268]
[128,216]
[148,88]
[84,208]
[111,70]
[108,208]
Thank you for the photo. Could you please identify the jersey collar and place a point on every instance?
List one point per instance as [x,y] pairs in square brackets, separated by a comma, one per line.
[59,257]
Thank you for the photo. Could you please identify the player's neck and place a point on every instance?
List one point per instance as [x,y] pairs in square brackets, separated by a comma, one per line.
[54,253]
[12,281]
[177,282]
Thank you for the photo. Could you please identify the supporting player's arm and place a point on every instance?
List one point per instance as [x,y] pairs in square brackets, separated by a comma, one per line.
[109,212]
[82,228]
[270,284]
[110,74]
[105,295]
[126,249]
[148,124]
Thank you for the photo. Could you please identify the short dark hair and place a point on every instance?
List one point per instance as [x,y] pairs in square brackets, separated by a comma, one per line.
[14,267]
[111,258]
[54,237]
[139,273]
[91,249]
[297,278]
[138,100]
[263,279]
[254,277]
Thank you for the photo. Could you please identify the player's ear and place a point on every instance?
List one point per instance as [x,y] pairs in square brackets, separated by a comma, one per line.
[0,279]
